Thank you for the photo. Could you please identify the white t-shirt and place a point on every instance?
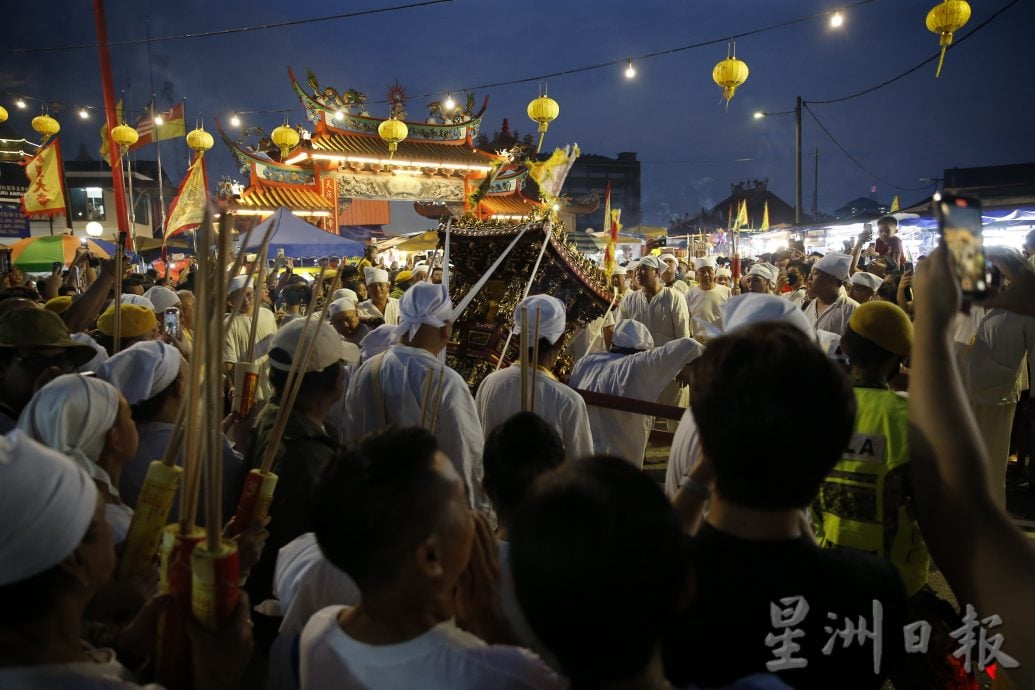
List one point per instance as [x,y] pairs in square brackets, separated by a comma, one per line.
[704,309]
[235,347]
[443,658]
[306,582]
[391,316]
[835,317]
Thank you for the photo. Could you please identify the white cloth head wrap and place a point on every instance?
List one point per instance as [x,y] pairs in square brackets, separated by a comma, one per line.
[142,370]
[374,275]
[669,257]
[376,341]
[653,262]
[238,283]
[630,334]
[424,303]
[46,506]
[345,292]
[632,266]
[868,280]
[99,358]
[764,271]
[420,268]
[162,298]
[835,265]
[339,305]
[722,271]
[73,415]
[704,262]
[139,300]
[326,350]
[746,310]
[552,315]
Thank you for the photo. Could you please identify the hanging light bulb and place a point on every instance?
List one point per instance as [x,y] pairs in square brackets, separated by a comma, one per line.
[235,121]
[759,115]
[339,115]
[159,120]
[837,20]
[449,103]
[84,113]
[630,71]
[20,103]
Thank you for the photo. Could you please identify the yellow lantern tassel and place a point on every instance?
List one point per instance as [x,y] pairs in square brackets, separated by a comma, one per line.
[214,590]
[945,42]
[152,511]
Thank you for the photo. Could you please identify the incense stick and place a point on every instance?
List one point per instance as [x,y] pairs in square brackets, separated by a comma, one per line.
[535,357]
[523,358]
[425,398]
[260,284]
[176,438]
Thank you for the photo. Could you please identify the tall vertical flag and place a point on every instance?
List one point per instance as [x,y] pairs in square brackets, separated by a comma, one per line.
[742,216]
[46,193]
[105,142]
[187,210]
[612,238]
[765,216]
[894,204]
[172,126]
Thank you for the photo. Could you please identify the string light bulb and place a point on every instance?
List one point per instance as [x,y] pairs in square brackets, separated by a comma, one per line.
[449,103]
[235,121]
[837,20]
[630,71]
[759,115]
[21,103]
[339,115]
[159,120]
[84,113]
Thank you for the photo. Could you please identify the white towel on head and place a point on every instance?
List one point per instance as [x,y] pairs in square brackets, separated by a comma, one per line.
[339,305]
[162,298]
[376,341]
[345,292]
[748,309]
[142,370]
[552,316]
[834,264]
[374,275]
[138,300]
[238,283]
[424,303]
[704,262]
[73,415]
[47,504]
[630,334]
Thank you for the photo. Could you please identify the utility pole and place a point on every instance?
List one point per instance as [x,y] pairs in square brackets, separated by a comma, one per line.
[815,190]
[797,168]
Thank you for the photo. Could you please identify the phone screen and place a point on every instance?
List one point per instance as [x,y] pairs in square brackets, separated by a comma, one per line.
[959,219]
[172,322]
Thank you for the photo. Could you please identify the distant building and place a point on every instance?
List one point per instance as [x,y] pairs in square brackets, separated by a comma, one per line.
[721,216]
[861,209]
[997,186]
[591,173]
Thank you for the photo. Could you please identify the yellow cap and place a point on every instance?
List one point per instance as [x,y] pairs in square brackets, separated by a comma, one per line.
[403,276]
[136,321]
[883,324]
[59,305]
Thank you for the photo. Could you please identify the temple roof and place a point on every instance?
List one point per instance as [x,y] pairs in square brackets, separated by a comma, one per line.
[515,205]
[360,148]
[268,198]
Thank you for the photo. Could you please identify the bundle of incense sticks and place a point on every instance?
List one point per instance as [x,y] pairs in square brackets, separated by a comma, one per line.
[535,359]
[246,372]
[431,401]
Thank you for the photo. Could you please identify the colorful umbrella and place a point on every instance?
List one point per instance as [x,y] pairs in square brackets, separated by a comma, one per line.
[41,253]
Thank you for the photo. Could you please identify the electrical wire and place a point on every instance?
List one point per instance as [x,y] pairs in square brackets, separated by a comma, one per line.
[855,161]
[914,68]
[226,32]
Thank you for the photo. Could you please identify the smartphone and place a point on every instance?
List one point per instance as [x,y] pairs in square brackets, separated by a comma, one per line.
[172,323]
[959,221]
[56,265]
[5,261]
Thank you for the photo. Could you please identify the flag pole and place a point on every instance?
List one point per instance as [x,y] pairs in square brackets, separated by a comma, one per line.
[109,108]
[157,139]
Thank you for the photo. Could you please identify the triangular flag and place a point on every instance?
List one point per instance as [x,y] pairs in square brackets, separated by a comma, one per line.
[188,208]
[894,204]
[742,216]
[765,216]
[105,140]
[45,195]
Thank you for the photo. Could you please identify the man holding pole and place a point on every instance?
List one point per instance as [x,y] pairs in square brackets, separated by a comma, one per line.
[239,346]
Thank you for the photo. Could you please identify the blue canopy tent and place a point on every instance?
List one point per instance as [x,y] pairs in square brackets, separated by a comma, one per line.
[299,239]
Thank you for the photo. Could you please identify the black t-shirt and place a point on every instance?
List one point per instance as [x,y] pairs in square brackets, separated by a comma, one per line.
[723,635]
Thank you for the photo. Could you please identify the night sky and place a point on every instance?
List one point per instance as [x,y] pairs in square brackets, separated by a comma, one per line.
[980,112]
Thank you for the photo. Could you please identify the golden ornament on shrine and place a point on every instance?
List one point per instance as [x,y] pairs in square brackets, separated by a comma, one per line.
[199,140]
[543,110]
[729,74]
[46,126]
[945,20]
[286,138]
[3,114]
[124,135]
[392,131]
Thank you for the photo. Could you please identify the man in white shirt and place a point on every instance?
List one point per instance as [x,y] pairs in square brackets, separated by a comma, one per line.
[392,513]
[664,312]
[379,307]
[636,370]
[830,308]
[797,277]
[407,385]
[705,299]
[670,276]
[499,395]
[238,333]
[723,276]
[863,286]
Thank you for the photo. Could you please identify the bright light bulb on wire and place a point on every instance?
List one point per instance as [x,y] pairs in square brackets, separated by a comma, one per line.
[235,121]
[759,115]
[837,20]
[449,103]
[84,113]
[159,120]
[630,71]
[20,103]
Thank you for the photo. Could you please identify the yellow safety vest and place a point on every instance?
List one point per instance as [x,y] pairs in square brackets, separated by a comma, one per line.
[865,503]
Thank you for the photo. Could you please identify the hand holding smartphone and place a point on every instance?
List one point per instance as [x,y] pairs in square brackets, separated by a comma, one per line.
[959,221]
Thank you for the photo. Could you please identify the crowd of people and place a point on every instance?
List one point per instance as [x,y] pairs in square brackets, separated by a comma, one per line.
[845,431]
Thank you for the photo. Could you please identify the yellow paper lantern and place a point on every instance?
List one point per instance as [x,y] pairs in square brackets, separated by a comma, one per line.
[945,20]
[199,140]
[543,110]
[3,114]
[286,138]
[46,126]
[729,74]
[124,135]
[392,131]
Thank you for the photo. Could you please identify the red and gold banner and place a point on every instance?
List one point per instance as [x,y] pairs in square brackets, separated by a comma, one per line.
[188,208]
[46,193]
